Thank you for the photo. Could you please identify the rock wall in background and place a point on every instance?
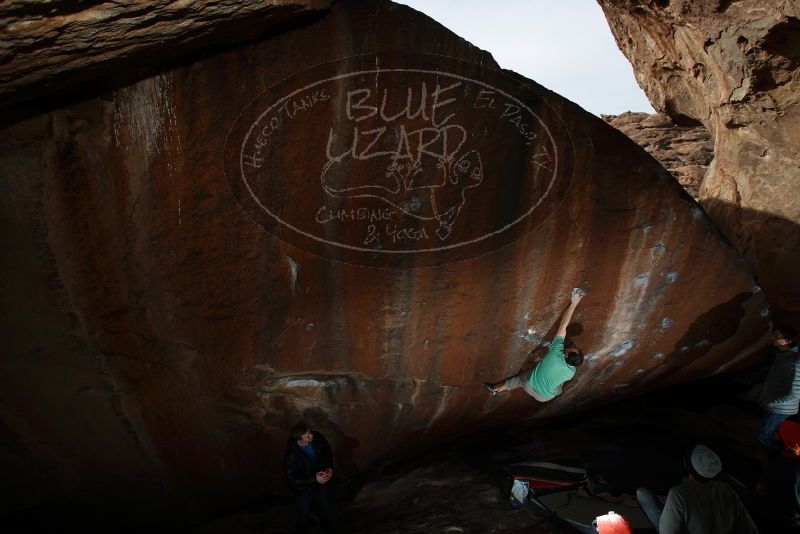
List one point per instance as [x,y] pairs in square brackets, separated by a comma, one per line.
[50,46]
[194,261]
[685,151]
[732,67]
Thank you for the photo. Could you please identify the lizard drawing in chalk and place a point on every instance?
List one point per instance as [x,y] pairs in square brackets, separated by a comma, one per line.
[408,189]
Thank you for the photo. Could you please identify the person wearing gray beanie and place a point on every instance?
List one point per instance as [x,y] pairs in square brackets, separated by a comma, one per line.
[700,504]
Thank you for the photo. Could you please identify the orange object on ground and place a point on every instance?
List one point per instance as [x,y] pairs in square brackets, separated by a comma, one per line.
[612,523]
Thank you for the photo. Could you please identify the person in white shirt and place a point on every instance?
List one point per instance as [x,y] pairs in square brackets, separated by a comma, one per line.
[699,504]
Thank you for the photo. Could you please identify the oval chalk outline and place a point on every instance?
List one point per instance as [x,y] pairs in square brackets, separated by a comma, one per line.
[378,71]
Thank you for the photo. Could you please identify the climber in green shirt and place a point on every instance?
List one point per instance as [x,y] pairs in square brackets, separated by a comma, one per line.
[544,382]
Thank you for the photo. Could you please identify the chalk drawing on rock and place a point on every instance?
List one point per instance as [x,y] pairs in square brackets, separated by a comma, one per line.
[399,160]
[403,187]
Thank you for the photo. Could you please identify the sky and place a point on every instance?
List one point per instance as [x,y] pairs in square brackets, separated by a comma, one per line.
[563,45]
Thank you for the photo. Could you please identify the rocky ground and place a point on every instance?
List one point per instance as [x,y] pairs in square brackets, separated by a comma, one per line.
[447,495]
[440,495]
[458,489]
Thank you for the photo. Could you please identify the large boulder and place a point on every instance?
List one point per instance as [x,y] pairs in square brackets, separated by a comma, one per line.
[49,46]
[358,221]
[732,66]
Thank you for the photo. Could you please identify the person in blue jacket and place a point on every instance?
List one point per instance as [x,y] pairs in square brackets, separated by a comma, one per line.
[309,467]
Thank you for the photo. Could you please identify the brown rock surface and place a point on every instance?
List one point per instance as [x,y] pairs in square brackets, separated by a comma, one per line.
[45,46]
[160,342]
[435,495]
[685,151]
[444,496]
[732,66]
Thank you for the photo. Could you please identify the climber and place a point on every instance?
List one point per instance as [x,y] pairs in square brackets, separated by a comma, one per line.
[544,382]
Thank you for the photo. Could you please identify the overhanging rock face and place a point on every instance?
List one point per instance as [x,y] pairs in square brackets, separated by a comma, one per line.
[204,257]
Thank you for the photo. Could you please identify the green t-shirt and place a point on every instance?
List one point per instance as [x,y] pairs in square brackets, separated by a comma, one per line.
[552,371]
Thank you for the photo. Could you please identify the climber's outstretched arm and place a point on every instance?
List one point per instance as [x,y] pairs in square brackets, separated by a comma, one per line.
[577,295]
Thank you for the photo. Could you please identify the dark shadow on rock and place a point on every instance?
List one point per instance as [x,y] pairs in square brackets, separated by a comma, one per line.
[343,445]
[713,327]
[770,244]
[349,479]
[573,331]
